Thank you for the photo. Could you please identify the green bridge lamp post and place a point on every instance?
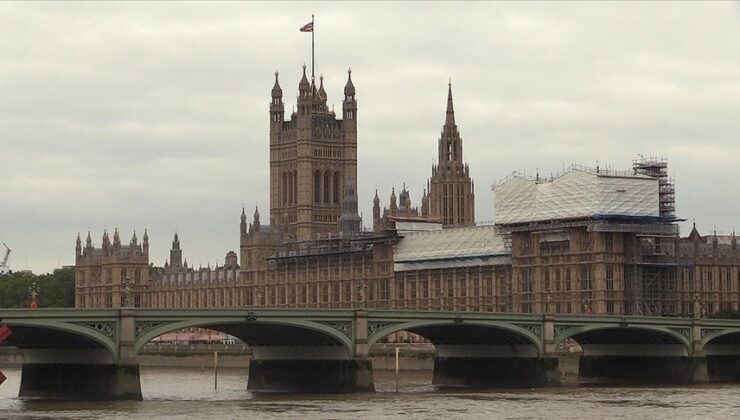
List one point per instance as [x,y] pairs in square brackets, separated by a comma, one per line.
[34,291]
[128,287]
[259,292]
[361,290]
[587,306]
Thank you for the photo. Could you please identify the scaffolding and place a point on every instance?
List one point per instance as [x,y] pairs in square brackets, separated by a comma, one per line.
[657,167]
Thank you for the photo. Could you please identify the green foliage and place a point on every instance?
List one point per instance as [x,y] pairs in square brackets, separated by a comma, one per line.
[727,314]
[56,290]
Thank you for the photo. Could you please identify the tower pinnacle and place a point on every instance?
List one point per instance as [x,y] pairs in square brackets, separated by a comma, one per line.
[450,118]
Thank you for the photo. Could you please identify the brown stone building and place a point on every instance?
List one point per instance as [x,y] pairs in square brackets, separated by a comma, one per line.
[105,277]
[451,191]
[585,241]
[312,157]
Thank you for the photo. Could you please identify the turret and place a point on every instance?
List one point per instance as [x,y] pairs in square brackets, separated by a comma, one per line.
[146,243]
[243,223]
[393,206]
[106,243]
[350,222]
[322,92]
[116,240]
[78,248]
[88,241]
[349,104]
[176,253]
[277,109]
[256,221]
[134,241]
[425,204]
[304,94]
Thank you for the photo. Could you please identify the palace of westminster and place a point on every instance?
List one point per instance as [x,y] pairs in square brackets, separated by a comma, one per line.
[586,240]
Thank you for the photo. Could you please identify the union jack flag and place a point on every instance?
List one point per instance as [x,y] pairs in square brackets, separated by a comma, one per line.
[307,27]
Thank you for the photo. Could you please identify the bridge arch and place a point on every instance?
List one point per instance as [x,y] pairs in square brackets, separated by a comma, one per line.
[30,334]
[627,340]
[498,339]
[722,342]
[266,333]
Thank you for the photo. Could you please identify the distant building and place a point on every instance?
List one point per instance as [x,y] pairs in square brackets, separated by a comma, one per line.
[105,277]
[586,241]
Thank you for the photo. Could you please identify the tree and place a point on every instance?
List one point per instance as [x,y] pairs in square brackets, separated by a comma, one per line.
[56,289]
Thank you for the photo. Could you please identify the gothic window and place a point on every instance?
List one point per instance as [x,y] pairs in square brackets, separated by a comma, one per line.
[289,176]
[327,186]
[449,151]
[609,278]
[336,187]
[295,186]
[317,187]
[285,187]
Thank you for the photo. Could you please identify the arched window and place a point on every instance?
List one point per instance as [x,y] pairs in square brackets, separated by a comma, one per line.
[337,187]
[295,186]
[327,186]
[317,187]
[285,187]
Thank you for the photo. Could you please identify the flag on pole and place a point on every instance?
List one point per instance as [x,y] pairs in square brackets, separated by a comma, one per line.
[307,27]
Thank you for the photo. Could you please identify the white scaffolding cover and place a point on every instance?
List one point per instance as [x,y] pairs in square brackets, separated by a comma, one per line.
[450,243]
[576,194]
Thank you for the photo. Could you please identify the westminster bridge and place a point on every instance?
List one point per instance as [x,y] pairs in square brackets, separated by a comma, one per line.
[91,353]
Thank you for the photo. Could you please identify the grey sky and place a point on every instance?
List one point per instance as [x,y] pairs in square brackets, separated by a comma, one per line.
[155,115]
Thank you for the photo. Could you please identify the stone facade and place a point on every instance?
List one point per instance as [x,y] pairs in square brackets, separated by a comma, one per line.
[106,277]
[451,191]
[315,254]
[312,157]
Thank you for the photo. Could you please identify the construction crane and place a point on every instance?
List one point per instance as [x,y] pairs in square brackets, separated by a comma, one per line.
[4,269]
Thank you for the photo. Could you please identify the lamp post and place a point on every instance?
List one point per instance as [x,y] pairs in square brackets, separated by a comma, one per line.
[34,291]
[548,306]
[128,287]
[697,307]
[361,290]
[441,295]
[587,306]
[259,292]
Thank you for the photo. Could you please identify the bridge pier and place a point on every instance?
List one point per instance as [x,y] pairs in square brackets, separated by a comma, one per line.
[311,376]
[724,367]
[59,381]
[495,372]
[315,369]
[84,373]
[642,369]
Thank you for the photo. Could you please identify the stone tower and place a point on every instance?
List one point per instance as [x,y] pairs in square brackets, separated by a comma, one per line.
[451,196]
[350,222]
[176,253]
[312,156]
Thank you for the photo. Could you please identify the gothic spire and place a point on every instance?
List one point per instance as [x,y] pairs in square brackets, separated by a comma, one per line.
[349,88]
[277,91]
[450,118]
[322,92]
[303,85]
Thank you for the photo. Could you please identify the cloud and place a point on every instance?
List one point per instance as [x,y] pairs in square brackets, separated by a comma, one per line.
[155,115]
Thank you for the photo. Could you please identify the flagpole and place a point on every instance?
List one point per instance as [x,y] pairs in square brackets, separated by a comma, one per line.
[313,29]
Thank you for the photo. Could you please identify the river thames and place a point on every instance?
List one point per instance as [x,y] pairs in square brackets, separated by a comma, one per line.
[182,393]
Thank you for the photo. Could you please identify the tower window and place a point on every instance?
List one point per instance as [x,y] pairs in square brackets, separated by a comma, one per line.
[327,186]
[336,187]
[317,187]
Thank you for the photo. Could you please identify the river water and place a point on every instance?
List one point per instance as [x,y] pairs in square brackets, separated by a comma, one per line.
[184,393]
